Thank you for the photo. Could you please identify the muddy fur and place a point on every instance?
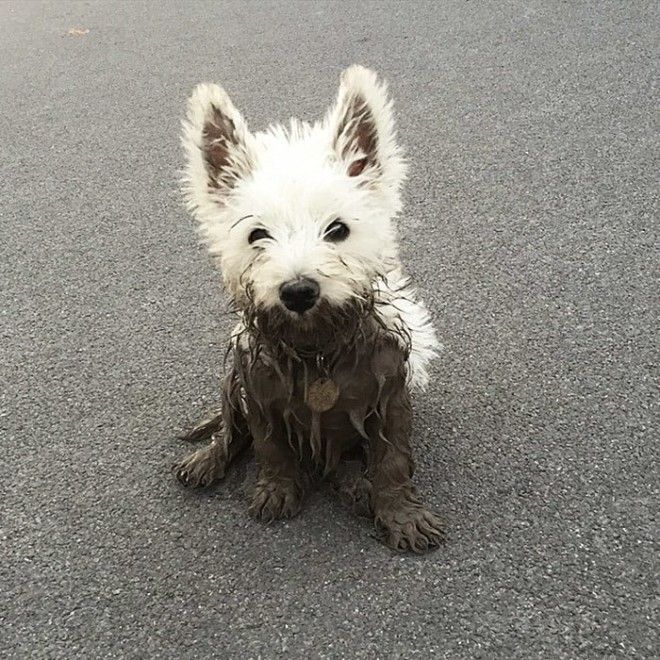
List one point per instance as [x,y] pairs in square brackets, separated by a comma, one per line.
[264,404]
[318,385]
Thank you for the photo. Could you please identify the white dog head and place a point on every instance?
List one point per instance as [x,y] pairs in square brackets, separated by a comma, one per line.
[300,218]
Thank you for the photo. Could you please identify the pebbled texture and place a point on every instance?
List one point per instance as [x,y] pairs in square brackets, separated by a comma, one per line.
[529,227]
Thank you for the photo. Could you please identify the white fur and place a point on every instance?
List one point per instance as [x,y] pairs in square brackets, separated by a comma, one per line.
[402,311]
[293,182]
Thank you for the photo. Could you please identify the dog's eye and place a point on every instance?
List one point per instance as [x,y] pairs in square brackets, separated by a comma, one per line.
[258,234]
[337,231]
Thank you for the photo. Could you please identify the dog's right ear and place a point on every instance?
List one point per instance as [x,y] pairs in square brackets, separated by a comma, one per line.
[219,147]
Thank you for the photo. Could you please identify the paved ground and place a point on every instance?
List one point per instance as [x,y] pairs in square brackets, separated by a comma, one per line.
[530,224]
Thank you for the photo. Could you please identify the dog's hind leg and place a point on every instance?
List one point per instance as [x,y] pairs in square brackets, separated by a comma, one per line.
[350,482]
[229,436]
[206,428]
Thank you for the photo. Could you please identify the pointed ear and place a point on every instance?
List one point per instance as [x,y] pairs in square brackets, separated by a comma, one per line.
[219,147]
[362,129]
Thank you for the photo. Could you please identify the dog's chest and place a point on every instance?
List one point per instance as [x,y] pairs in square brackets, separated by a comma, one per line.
[309,388]
[333,397]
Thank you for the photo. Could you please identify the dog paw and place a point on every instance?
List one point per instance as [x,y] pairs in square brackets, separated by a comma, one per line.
[202,468]
[273,500]
[354,491]
[410,527]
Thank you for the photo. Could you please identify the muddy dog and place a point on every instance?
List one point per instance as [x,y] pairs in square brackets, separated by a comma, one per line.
[331,338]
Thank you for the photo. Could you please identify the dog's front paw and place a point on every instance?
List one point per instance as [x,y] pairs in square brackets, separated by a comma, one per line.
[275,499]
[201,468]
[409,526]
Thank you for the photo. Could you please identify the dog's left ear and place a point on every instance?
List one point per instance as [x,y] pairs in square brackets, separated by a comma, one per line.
[362,130]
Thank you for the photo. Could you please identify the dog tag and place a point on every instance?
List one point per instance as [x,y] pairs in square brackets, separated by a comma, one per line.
[322,394]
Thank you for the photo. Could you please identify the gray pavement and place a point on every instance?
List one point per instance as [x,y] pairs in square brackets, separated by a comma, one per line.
[531,226]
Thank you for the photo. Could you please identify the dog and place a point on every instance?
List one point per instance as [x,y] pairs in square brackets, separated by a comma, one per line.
[331,338]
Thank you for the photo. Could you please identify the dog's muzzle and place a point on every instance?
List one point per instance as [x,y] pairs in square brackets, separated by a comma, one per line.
[299,295]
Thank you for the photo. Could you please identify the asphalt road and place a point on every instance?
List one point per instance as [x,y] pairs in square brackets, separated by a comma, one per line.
[531,226]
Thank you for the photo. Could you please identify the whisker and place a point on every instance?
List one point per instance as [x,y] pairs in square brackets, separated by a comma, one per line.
[245,217]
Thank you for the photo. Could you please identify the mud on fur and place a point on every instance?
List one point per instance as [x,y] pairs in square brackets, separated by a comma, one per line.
[331,339]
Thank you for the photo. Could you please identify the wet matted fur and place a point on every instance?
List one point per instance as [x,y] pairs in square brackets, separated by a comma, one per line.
[322,392]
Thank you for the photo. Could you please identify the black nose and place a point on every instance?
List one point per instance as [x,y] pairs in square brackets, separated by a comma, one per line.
[299,295]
